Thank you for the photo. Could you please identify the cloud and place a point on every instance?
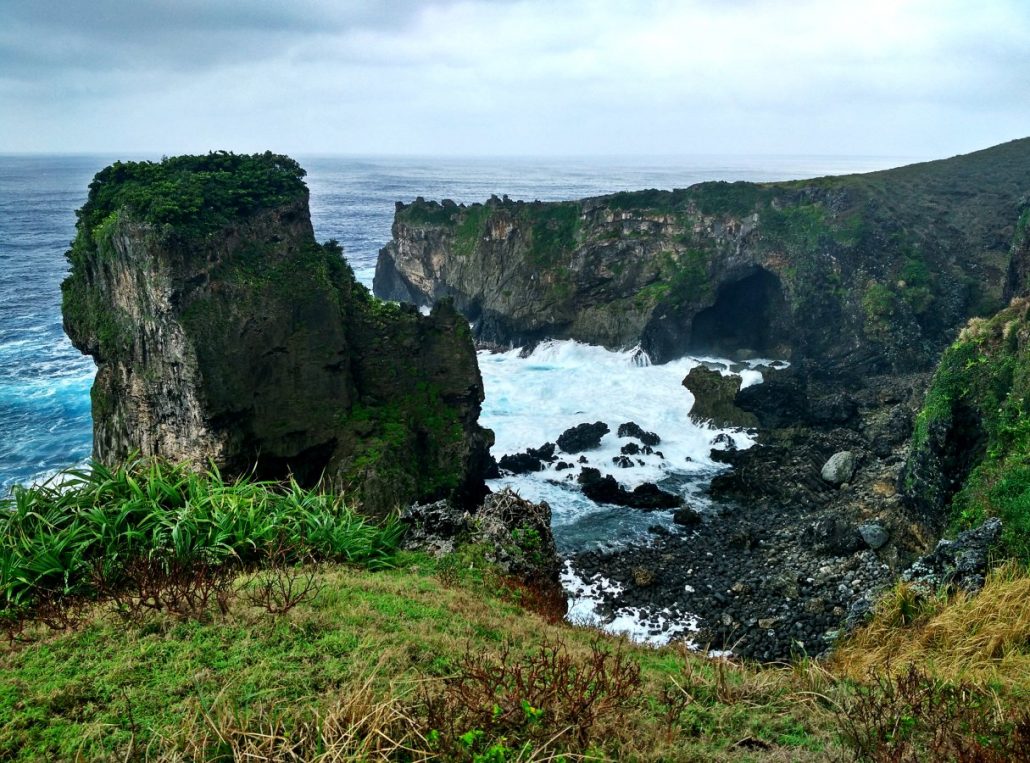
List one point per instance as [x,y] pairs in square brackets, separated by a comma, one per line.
[527,76]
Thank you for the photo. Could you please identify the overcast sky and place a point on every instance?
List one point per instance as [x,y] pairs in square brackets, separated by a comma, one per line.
[520,77]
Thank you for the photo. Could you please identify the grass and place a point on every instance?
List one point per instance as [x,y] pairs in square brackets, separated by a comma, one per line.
[55,539]
[394,655]
[359,670]
[982,639]
[433,661]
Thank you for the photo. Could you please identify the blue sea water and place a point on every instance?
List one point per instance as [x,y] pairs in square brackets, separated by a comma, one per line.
[45,420]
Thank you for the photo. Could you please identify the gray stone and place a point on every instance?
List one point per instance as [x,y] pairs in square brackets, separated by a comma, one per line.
[961,563]
[874,534]
[839,468]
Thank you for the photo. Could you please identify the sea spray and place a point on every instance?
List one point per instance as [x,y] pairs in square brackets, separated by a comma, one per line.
[531,398]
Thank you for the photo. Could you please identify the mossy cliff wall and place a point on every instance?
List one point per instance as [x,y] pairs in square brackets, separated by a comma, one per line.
[223,331]
[865,273]
[970,456]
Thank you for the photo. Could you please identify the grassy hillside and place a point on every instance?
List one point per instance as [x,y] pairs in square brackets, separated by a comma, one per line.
[305,657]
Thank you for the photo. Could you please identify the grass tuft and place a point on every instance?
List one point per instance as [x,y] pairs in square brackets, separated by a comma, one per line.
[982,639]
[59,538]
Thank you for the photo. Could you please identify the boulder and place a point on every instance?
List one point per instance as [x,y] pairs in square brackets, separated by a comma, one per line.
[874,534]
[519,463]
[687,517]
[632,429]
[839,468]
[582,437]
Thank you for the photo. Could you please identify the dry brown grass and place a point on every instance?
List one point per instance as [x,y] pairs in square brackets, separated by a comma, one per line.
[982,639]
[363,723]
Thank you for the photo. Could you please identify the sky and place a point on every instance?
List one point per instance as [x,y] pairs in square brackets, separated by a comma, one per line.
[514,77]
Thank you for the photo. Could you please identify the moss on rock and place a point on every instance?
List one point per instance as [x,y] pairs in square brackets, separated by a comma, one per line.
[971,443]
[229,334]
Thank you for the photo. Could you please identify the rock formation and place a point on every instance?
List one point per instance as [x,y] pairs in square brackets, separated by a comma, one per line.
[713,399]
[222,331]
[969,449]
[861,273]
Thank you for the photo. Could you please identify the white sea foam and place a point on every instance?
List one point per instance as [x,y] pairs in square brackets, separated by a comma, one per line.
[531,399]
[655,627]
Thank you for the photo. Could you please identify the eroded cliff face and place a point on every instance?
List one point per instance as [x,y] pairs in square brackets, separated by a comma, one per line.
[235,337]
[862,273]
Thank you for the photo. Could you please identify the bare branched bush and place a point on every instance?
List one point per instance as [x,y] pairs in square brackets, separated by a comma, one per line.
[185,588]
[548,697]
[911,716]
[282,585]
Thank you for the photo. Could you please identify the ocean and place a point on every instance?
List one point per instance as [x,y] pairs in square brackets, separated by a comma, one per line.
[45,420]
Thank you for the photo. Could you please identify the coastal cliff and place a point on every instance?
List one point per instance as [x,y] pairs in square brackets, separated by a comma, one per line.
[222,331]
[860,273]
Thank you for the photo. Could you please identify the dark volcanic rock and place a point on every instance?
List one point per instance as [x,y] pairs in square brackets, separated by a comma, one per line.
[713,399]
[832,535]
[686,516]
[960,563]
[632,429]
[724,443]
[520,463]
[780,400]
[531,460]
[231,336]
[605,489]
[582,437]
[545,452]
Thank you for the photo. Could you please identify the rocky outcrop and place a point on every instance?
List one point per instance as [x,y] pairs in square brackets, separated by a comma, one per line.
[971,442]
[713,399]
[603,488]
[514,533]
[222,331]
[582,437]
[1018,284]
[862,274]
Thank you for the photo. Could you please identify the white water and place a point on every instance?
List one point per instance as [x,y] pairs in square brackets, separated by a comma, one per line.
[532,399]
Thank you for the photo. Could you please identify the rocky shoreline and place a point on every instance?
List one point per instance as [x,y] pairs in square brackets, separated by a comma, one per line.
[800,534]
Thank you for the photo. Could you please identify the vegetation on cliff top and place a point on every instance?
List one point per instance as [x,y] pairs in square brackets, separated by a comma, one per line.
[976,421]
[189,195]
[439,659]
[196,194]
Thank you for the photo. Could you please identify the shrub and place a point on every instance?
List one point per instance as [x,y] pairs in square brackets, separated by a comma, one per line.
[912,717]
[96,526]
[543,698]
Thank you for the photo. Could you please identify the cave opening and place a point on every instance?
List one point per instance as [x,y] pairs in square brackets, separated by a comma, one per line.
[749,315]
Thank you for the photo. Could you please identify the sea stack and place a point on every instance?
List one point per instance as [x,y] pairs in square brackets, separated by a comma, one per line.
[223,332]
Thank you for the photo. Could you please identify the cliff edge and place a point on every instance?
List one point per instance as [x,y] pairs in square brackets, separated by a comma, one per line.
[859,273]
[223,331]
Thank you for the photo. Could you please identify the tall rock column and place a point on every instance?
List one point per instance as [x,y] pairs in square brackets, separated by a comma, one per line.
[222,331]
